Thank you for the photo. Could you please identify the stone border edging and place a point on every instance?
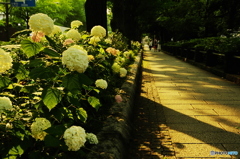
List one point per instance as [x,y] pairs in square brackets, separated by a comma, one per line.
[116,132]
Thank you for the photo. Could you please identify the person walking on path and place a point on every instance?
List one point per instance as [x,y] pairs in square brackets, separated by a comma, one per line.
[155,44]
[158,46]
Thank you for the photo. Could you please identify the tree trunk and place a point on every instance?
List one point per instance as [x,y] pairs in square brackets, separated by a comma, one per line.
[96,13]
[124,18]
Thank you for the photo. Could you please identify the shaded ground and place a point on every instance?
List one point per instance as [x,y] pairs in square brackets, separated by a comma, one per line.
[184,112]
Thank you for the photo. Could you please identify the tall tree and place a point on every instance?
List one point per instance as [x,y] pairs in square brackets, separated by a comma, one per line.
[96,13]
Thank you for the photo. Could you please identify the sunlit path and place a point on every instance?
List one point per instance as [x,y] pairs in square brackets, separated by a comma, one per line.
[185,112]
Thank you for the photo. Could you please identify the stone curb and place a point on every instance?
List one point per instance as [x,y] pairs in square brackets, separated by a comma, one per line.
[231,77]
[116,132]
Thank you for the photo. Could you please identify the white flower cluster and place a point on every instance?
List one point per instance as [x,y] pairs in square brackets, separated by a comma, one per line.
[94,40]
[75,58]
[56,30]
[75,24]
[92,138]
[123,72]
[98,31]
[101,83]
[116,68]
[108,41]
[75,138]
[5,104]
[73,34]
[41,22]
[38,127]
[5,61]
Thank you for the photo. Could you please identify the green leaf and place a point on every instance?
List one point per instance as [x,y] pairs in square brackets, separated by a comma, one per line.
[20,71]
[84,79]
[51,42]
[4,81]
[30,48]
[82,114]
[94,102]
[56,130]
[16,150]
[73,98]
[51,52]
[101,50]
[42,73]
[29,89]
[36,62]
[71,82]
[22,32]
[51,141]
[51,97]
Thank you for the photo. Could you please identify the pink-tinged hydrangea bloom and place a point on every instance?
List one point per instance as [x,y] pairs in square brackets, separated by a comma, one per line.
[68,42]
[118,98]
[75,138]
[112,51]
[37,36]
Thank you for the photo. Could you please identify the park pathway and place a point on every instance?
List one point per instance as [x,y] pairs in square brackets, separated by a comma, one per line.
[184,112]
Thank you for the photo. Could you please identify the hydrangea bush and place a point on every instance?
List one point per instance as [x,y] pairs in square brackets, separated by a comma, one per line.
[55,88]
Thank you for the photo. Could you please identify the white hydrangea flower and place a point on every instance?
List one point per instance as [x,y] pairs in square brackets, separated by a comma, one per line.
[75,138]
[116,68]
[75,59]
[92,138]
[123,72]
[98,31]
[5,104]
[5,61]
[38,127]
[80,48]
[108,41]
[56,30]
[94,40]
[41,22]
[75,24]
[101,83]
[73,34]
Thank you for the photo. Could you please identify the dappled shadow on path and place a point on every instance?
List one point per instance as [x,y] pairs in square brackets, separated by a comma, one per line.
[161,128]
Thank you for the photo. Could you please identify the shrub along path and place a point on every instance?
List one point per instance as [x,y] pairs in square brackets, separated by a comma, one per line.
[184,112]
